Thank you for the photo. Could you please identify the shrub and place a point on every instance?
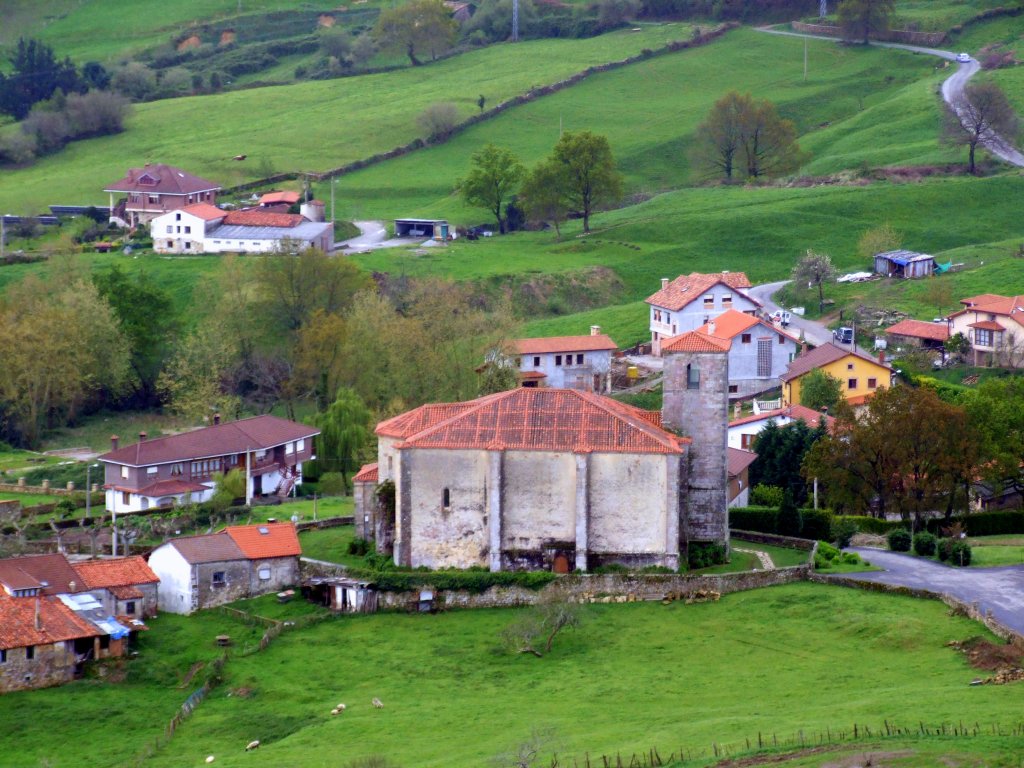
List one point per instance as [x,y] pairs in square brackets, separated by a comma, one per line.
[842,531]
[332,484]
[827,551]
[821,563]
[610,568]
[960,553]
[438,120]
[760,519]
[789,516]
[899,540]
[816,523]
[762,495]
[924,544]
[867,524]
[358,547]
[851,558]
[704,554]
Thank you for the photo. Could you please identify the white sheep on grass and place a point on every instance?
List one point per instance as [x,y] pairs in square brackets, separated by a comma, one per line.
[377,703]
[252,745]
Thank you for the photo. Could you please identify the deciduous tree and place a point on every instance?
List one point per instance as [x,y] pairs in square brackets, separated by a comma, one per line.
[418,27]
[438,120]
[495,174]
[344,434]
[591,179]
[863,19]
[814,270]
[984,115]
[996,411]
[878,240]
[544,194]
[819,389]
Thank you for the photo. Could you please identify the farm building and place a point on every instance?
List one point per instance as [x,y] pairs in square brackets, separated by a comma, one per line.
[904,264]
[430,228]
[341,594]
[204,228]
[919,333]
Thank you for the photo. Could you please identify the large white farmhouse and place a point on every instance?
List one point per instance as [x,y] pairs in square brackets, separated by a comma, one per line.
[204,228]
[690,301]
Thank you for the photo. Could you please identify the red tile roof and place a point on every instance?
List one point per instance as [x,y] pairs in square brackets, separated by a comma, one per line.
[732,323]
[205,211]
[687,288]
[1010,306]
[739,460]
[116,572]
[367,474]
[263,219]
[981,298]
[272,198]
[126,593]
[57,622]
[169,488]
[418,419]
[533,375]
[210,548]
[547,420]
[987,325]
[258,542]
[920,329]
[695,341]
[551,344]
[255,433]
[794,412]
[161,179]
[52,573]
[823,355]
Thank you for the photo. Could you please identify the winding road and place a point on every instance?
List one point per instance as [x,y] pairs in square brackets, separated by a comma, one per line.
[952,88]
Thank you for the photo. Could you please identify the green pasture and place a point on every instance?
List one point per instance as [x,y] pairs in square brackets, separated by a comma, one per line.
[331,545]
[308,126]
[631,677]
[650,110]
[996,550]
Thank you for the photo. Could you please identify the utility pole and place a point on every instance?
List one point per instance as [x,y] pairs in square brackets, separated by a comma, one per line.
[805,59]
[515,21]
[3,234]
[823,9]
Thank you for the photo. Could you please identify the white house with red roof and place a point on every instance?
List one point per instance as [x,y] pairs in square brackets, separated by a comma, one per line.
[568,362]
[241,561]
[743,431]
[125,586]
[156,189]
[169,470]
[758,351]
[204,228]
[693,300]
[994,326]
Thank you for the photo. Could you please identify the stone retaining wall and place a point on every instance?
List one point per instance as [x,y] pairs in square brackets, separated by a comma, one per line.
[327,522]
[892,36]
[807,545]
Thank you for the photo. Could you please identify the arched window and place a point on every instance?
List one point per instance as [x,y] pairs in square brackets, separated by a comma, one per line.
[692,376]
[446,499]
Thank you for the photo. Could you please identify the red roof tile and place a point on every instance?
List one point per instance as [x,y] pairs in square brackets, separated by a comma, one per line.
[205,211]
[551,344]
[263,219]
[695,341]
[256,433]
[920,329]
[57,622]
[116,572]
[687,288]
[794,412]
[533,375]
[739,460]
[547,420]
[732,323]
[418,419]
[52,573]
[987,325]
[161,179]
[367,474]
[272,198]
[126,593]
[982,298]
[266,540]
[823,355]
[1010,306]
[169,488]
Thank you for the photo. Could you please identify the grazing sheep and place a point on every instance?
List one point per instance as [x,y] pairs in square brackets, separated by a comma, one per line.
[252,745]
[239,157]
[340,707]
[210,758]
[377,703]
[335,711]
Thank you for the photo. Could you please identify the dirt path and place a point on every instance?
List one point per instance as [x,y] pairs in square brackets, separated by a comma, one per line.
[766,560]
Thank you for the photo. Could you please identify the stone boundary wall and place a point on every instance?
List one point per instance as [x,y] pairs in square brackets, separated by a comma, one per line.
[807,545]
[532,95]
[327,522]
[892,36]
[36,490]
[585,588]
[971,610]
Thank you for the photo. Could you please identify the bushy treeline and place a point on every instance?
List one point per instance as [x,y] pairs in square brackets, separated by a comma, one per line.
[729,10]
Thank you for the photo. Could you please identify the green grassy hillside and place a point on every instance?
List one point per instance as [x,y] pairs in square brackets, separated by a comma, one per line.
[307,126]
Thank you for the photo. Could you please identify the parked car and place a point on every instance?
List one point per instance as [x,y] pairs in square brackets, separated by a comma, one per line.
[843,335]
[781,317]
[963,58]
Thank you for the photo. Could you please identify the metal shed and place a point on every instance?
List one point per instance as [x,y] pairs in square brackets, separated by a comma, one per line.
[905,264]
[435,228]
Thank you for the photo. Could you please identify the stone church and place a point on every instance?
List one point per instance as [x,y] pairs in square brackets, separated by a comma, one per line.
[556,479]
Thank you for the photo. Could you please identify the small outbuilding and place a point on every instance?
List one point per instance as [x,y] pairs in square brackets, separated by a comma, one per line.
[919,333]
[905,264]
[429,228]
[341,594]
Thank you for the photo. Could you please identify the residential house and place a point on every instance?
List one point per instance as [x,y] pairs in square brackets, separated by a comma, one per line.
[743,431]
[124,586]
[690,301]
[860,374]
[994,327]
[559,479]
[758,351]
[204,228]
[904,264]
[567,362]
[279,200]
[199,572]
[739,476]
[170,470]
[155,190]
[909,334]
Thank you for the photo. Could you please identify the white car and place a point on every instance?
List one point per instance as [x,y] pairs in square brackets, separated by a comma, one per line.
[963,58]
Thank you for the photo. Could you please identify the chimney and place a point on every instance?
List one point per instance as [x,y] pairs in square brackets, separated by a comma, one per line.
[71,586]
[142,437]
[114,440]
[216,419]
[803,347]
[881,356]
[664,283]
[711,328]
[595,330]
[39,618]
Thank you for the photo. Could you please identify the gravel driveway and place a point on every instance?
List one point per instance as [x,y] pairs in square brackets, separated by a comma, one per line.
[999,590]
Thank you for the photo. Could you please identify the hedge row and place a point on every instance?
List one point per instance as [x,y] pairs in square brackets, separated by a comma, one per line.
[817,524]
[814,523]
[470,581]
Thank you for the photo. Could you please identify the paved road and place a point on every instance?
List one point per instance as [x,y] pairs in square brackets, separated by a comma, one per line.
[372,235]
[814,332]
[999,590]
[952,89]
